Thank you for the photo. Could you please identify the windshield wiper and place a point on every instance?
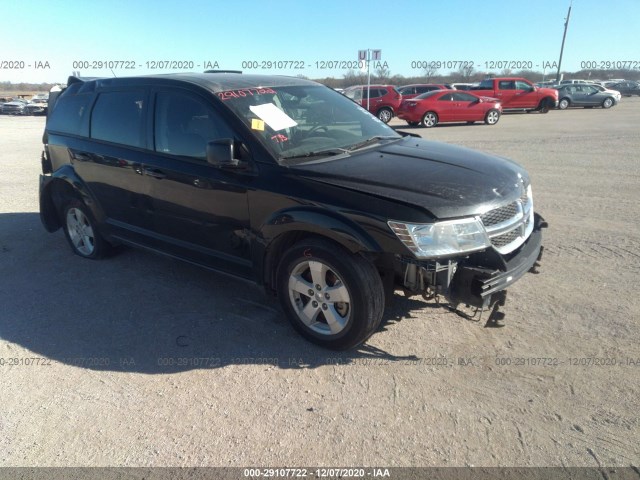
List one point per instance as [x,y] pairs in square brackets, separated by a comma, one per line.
[328,151]
[371,141]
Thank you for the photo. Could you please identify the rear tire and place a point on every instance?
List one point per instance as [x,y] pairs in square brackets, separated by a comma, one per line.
[81,232]
[385,114]
[331,297]
[430,119]
[564,104]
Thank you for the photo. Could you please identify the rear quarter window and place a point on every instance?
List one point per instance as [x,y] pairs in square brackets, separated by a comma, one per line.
[70,114]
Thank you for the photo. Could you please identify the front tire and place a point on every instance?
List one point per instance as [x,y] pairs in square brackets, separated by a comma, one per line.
[607,103]
[430,119]
[492,117]
[81,232]
[545,105]
[331,297]
[564,104]
[385,114]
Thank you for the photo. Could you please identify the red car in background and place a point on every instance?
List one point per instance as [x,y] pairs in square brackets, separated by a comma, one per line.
[411,91]
[442,106]
[384,101]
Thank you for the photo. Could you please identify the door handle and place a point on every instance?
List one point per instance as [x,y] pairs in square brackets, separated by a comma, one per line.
[80,156]
[155,173]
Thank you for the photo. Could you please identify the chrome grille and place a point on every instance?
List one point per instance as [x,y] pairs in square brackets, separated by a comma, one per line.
[505,239]
[508,226]
[500,214]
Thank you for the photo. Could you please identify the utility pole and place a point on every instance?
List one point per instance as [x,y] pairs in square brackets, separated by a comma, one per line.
[564,35]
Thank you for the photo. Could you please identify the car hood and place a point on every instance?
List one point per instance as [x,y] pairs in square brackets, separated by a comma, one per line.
[445,180]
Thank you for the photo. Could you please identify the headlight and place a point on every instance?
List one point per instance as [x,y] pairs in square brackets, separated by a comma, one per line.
[442,238]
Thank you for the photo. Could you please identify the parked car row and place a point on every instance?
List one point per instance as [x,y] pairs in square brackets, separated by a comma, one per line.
[431,104]
[385,100]
[19,106]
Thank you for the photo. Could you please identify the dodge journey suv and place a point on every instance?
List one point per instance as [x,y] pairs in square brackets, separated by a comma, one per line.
[287,183]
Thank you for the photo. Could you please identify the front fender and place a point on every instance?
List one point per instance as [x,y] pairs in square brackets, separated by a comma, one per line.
[284,228]
[321,222]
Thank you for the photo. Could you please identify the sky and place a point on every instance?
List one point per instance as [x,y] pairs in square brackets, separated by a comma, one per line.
[47,40]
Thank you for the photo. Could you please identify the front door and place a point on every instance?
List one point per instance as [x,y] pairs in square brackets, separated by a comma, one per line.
[200,211]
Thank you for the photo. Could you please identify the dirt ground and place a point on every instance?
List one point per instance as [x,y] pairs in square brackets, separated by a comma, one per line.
[144,361]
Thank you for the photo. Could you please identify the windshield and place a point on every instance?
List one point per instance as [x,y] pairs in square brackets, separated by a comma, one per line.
[305,122]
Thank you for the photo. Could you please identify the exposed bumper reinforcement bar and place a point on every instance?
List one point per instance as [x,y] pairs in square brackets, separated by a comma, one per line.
[476,285]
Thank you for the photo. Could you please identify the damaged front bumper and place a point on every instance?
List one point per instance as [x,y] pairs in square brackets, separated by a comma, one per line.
[478,280]
[479,277]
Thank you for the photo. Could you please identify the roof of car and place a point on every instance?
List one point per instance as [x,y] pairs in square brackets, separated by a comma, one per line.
[377,85]
[215,82]
[422,85]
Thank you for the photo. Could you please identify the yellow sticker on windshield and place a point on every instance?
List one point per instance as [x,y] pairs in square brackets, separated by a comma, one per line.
[257,124]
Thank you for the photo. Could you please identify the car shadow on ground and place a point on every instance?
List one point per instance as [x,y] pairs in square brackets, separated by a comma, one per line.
[140,312]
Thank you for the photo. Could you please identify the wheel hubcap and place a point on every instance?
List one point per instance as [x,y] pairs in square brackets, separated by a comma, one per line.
[319,297]
[493,117]
[80,231]
[385,116]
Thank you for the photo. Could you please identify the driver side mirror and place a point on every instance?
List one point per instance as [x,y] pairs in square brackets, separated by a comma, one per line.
[220,153]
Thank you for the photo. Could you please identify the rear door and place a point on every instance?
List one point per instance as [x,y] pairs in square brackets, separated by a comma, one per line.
[200,212]
[111,162]
[377,98]
[505,91]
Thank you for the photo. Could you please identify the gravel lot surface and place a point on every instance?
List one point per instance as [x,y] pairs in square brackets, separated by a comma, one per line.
[140,360]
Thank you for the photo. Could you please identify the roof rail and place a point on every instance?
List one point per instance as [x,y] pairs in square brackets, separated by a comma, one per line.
[223,71]
[77,79]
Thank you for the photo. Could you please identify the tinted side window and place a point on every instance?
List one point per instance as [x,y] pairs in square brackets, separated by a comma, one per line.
[375,92]
[118,116]
[184,124]
[522,86]
[70,114]
[506,85]
[426,89]
[463,97]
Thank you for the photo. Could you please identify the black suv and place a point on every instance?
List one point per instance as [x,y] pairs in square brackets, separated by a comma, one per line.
[288,183]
